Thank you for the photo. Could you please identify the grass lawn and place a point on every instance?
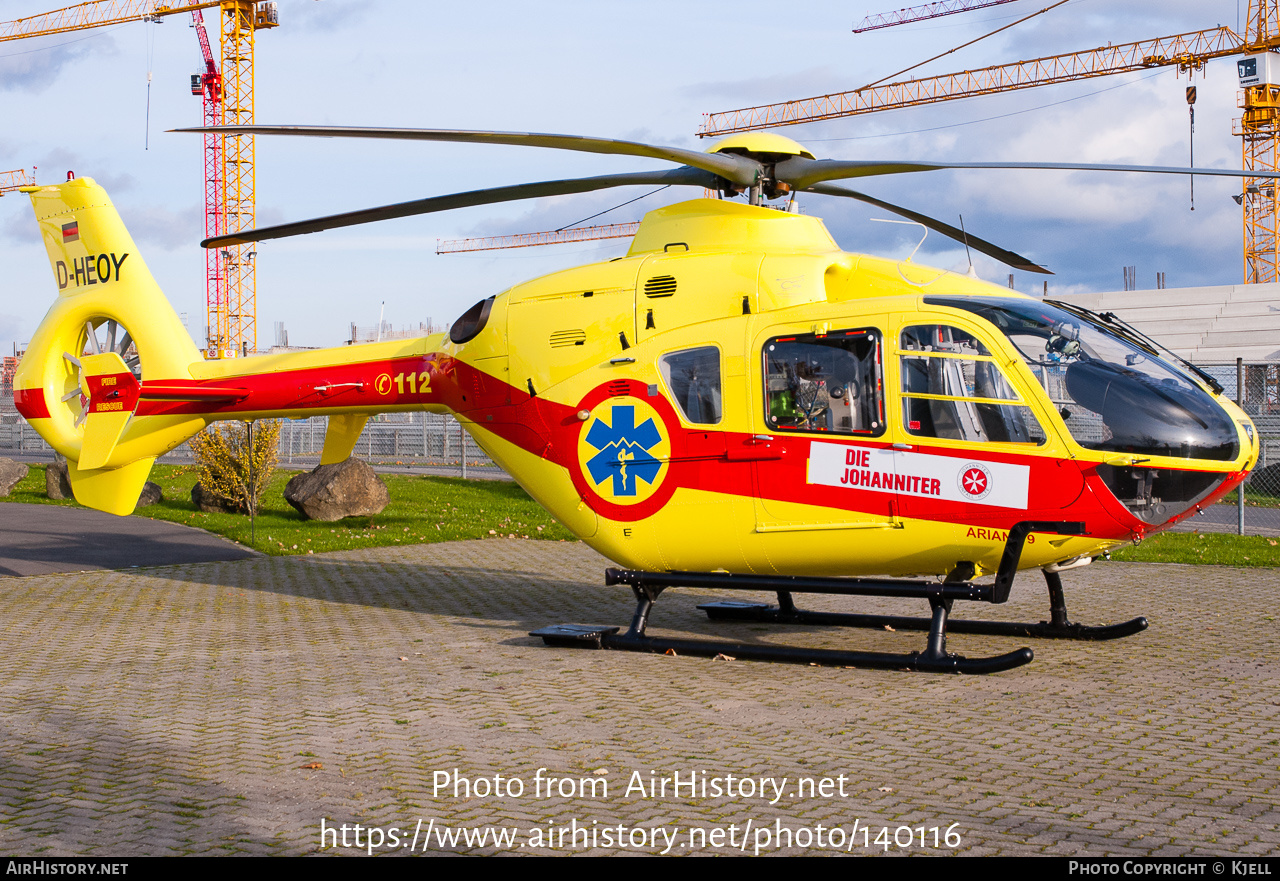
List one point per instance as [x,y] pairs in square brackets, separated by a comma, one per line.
[422,510]
[1253,498]
[1204,547]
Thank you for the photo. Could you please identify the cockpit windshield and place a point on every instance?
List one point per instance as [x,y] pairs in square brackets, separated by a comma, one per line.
[1113,394]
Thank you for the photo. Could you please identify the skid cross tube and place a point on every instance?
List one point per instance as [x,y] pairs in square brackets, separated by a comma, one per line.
[800,584]
[1057,627]
[647,586]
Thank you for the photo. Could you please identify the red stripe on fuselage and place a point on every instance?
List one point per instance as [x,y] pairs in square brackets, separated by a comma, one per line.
[370,385]
[736,463]
[730,463]
[30,402]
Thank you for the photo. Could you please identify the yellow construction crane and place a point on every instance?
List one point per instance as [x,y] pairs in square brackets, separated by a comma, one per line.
[11,180]
[1259,126]
[922,13]
[232,307]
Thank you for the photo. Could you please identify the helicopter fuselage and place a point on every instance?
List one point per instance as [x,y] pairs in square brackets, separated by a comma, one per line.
[739,394]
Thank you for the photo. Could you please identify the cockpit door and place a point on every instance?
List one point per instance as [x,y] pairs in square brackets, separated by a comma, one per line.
[819,398]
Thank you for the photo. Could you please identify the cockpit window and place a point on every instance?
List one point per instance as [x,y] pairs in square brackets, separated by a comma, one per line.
[829,382]
[953,389]
[1112,394]
[693,378]
[941,339]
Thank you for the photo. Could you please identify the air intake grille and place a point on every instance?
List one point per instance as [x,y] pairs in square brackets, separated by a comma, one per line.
[660,286]
[562,338]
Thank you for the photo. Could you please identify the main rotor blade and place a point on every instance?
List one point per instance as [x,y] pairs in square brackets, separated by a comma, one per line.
[684,176]
[738,169]
[1017,261]
[803,173]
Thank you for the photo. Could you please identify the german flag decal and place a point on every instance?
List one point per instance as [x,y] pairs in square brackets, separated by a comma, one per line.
[70,232]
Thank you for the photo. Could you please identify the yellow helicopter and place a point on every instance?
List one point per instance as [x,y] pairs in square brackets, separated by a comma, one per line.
[736,403]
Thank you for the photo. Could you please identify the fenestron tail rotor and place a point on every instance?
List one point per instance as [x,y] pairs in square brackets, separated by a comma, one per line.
[762,165]
[102,387]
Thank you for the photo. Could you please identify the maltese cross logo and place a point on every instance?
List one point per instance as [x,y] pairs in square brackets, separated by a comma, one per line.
[975,481]
[623,456]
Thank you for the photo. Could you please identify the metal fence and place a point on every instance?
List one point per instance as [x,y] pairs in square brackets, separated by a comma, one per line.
[410,440]
[1255,509]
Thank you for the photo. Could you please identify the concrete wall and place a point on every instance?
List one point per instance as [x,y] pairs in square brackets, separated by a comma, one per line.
[1210,325]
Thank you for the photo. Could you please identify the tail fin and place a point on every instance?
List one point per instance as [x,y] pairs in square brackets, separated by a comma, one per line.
[79,383]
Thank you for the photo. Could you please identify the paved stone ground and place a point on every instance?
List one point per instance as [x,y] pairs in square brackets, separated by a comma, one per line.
[172,711]
[45,539]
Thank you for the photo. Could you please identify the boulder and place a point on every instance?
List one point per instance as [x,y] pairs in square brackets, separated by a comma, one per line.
[150,494]
[212,503]
[56,483]
[10,473]
[331,492]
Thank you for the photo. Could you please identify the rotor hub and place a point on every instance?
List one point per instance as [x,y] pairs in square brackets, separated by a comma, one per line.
[768,149]
[764,147]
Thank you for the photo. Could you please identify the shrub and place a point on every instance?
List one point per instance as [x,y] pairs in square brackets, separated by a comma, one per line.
[222,451]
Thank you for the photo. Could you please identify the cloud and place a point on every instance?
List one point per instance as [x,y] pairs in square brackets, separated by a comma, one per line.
[554,213]
[19,225]
[164,228]
[322,17]
[769,89]
[53,166]
[36,67]
[12,327]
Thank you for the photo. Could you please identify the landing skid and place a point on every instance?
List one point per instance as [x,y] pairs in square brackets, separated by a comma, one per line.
[1057,627]
[648,586]
[582,636]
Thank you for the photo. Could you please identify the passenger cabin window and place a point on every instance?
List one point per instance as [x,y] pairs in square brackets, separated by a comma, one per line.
[831,382]
[693,378]
[952,389]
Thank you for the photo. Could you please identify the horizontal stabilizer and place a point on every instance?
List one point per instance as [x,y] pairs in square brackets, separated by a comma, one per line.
[154,391]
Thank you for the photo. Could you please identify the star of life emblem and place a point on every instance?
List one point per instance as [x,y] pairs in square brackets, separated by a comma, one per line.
[624,450]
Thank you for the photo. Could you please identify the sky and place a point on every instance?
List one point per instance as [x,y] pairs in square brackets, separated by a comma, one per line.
[101,103]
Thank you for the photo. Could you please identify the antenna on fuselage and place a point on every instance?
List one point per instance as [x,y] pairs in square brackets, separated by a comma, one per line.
[907,223]
[973,273]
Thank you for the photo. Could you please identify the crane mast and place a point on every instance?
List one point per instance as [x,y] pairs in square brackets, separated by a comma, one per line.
[1259,131]
[241,19]
[208,84]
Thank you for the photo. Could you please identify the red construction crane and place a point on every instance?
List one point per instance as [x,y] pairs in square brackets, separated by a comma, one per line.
[208,85]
